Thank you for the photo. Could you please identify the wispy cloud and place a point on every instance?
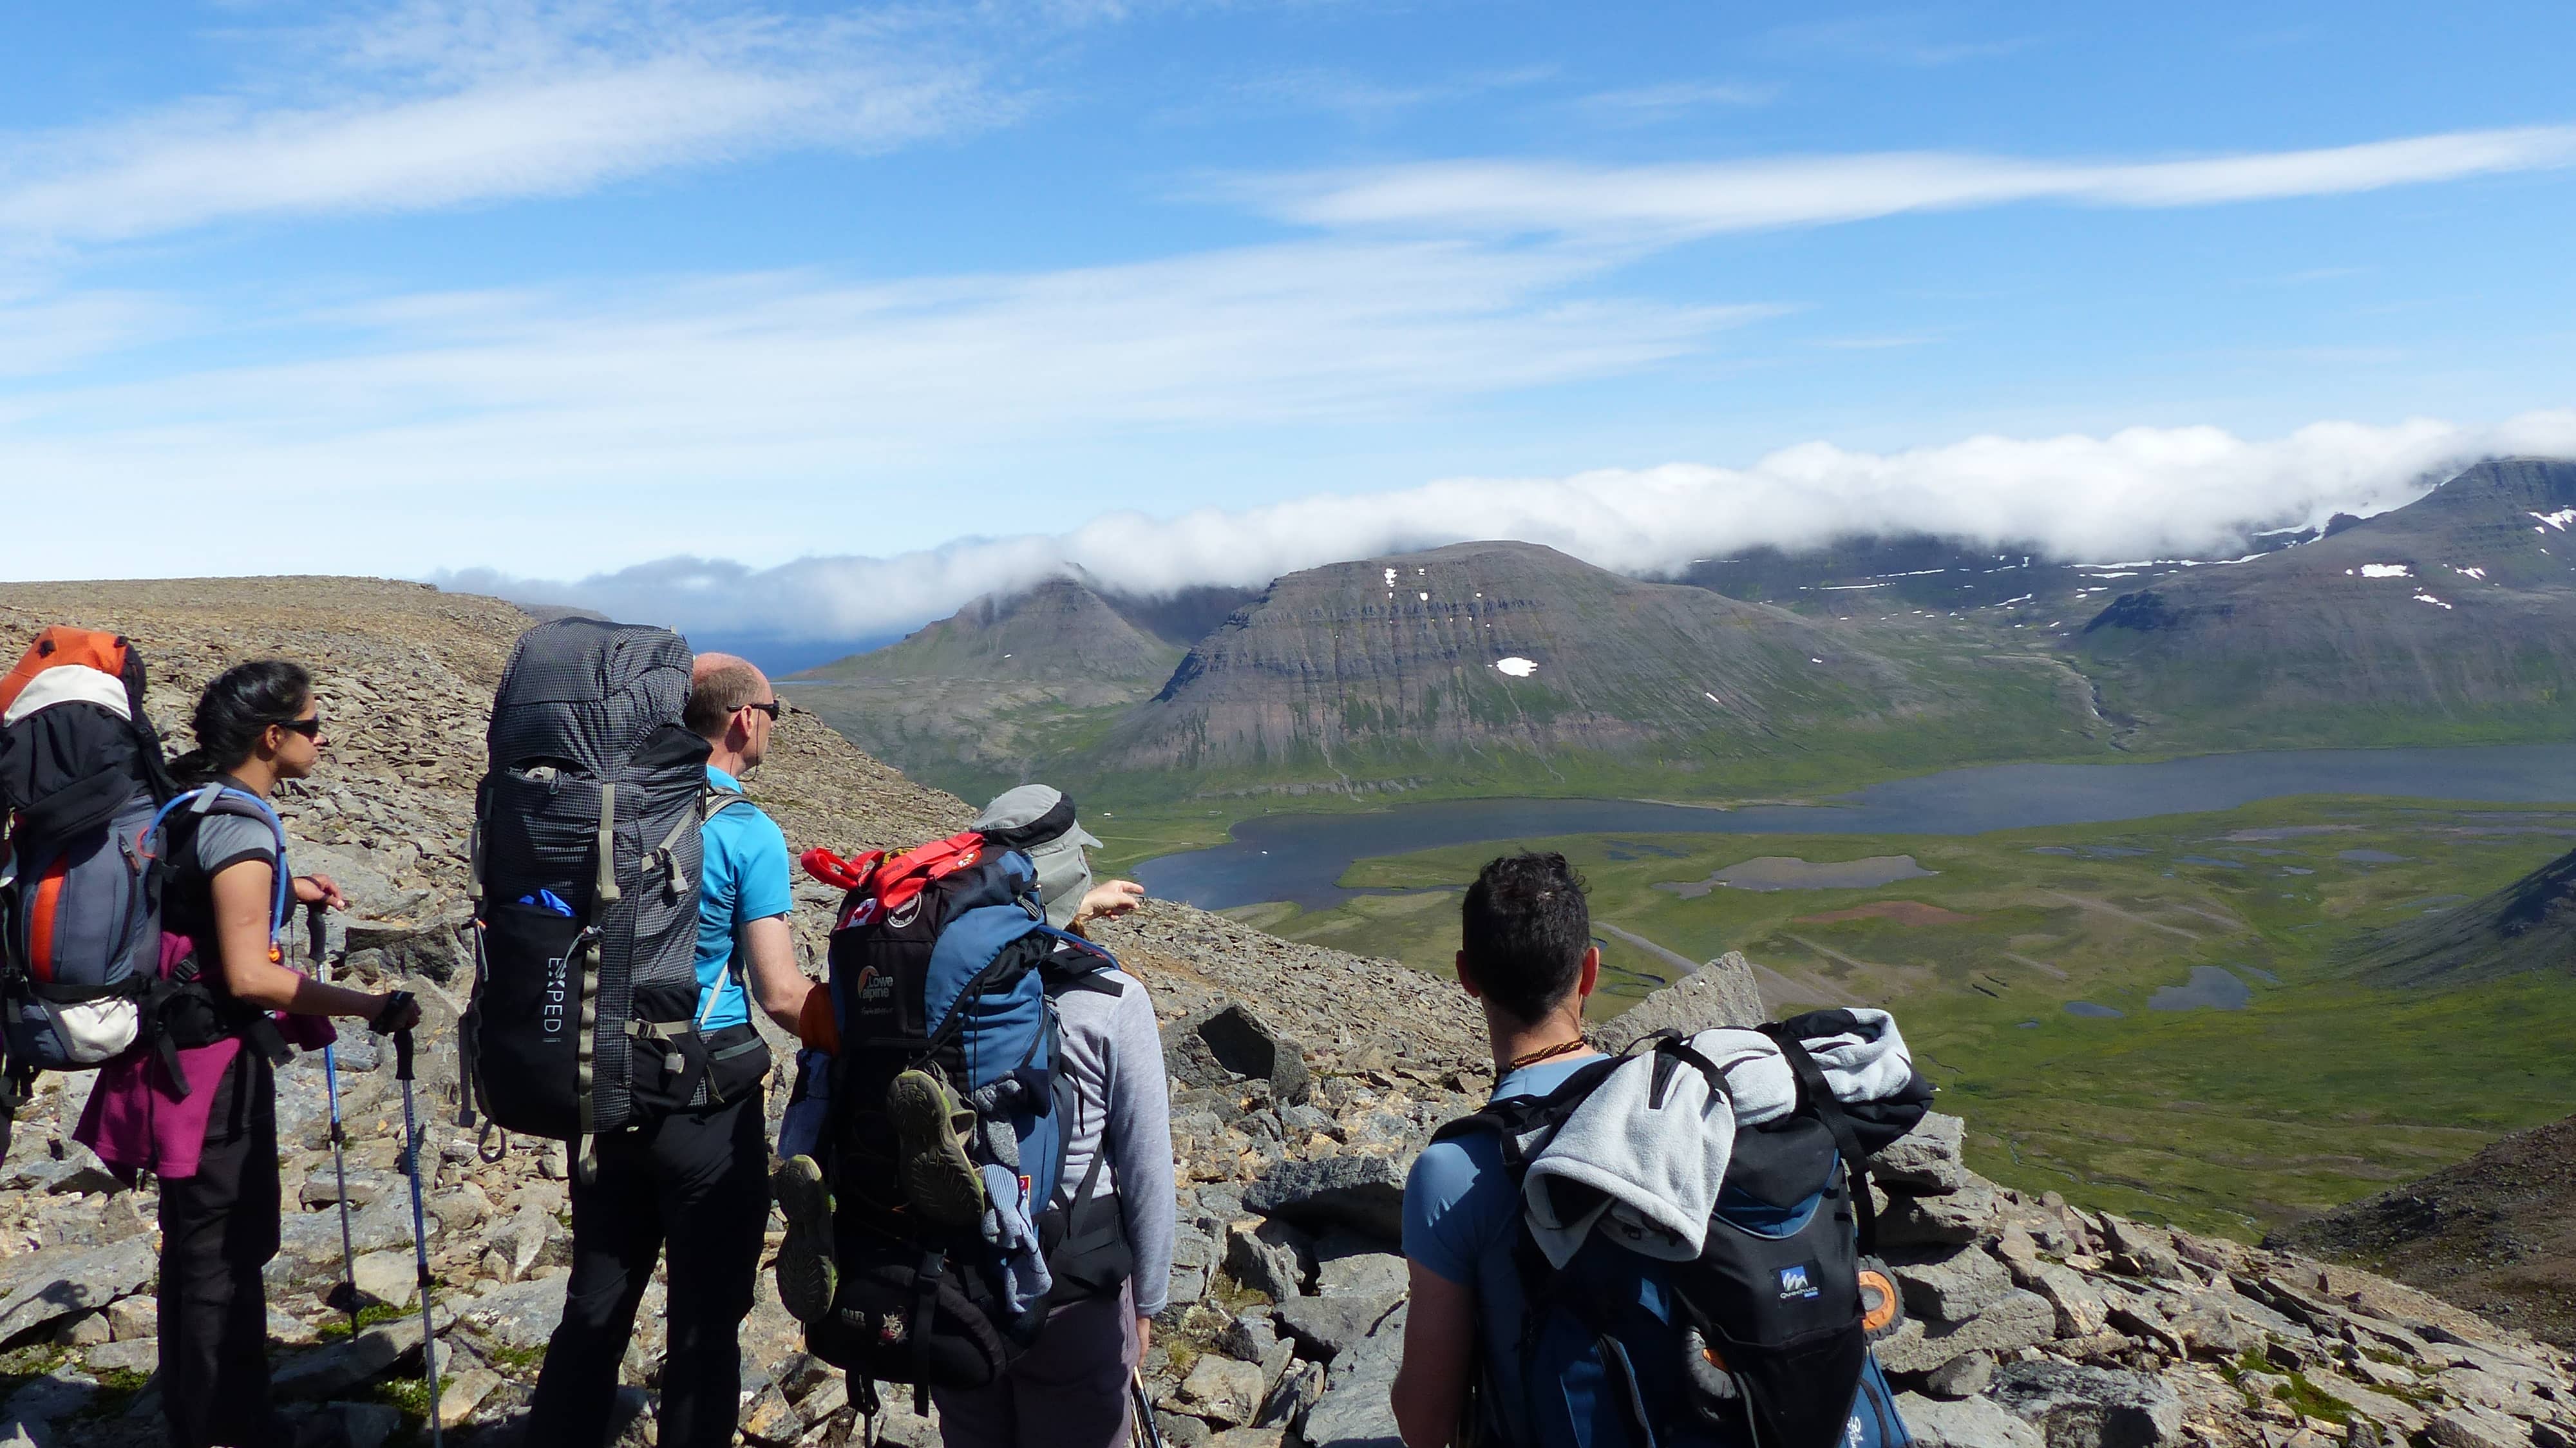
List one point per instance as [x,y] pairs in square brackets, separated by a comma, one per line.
[1890,39]
[787,378]
[1647,103]
[2138,492]
[435,105]
[1674,201]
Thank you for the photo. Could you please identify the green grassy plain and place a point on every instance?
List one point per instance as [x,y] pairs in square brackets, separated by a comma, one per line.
[2317,1091]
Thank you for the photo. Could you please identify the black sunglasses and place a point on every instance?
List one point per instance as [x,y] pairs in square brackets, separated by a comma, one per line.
[309,728]
[771,709]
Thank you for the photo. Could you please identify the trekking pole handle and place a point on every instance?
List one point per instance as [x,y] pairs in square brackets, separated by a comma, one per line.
[402,1055]
[395,1006]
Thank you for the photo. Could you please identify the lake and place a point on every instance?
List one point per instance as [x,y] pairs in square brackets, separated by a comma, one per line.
[1300,857]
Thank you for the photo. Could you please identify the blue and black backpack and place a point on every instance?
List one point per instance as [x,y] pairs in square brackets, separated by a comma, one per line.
[1760,1342]
[942,962]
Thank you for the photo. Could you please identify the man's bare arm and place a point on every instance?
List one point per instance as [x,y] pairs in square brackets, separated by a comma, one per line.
[775,981]
[1439,1351]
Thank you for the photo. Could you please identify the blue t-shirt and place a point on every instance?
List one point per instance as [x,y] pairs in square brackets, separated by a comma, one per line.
[1460,1213]
[745,878]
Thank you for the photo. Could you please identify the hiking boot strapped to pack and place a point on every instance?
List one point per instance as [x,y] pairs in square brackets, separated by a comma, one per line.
[953,1229]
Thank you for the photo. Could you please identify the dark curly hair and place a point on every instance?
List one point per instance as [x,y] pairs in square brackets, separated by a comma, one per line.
[242,701]
[1524,928]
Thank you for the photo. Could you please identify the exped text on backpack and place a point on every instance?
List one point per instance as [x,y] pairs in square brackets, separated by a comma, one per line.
[1761,1340]
[586,855]
[80,779]
[942,967]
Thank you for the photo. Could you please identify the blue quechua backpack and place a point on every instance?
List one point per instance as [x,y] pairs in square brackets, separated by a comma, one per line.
[1763,1340]
[942,963]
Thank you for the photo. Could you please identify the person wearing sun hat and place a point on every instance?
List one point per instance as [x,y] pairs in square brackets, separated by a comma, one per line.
[1039,820]
[1070,1387]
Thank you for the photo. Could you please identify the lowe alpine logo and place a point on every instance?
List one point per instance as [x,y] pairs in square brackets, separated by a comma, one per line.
[1796,1282]
[550,1016]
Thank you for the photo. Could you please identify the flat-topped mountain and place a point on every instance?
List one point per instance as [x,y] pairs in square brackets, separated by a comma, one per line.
[2449,618]
[1512,662]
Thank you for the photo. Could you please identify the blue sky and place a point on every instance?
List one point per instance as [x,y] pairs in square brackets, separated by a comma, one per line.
[823,319]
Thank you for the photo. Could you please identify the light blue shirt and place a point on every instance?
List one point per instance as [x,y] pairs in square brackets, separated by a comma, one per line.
[1461,1214]
[745,878]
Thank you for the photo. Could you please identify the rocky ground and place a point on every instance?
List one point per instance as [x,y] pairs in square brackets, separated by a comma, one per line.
[1303,1081]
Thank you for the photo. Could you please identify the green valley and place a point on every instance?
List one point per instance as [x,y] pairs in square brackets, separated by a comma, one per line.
[2314,1089]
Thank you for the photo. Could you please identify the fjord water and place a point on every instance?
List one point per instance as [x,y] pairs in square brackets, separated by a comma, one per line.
[1301,857]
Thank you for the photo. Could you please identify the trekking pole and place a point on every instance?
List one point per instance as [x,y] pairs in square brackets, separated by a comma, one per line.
[1152,1432]
[314,935]
[419,1231]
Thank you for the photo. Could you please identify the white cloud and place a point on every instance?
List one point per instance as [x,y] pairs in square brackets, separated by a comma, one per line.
[2141,492]
[1672,201]
[435,105]
[1639,104]
[801,379]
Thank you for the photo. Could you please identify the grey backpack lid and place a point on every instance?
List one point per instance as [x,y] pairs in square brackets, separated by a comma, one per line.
[588,693]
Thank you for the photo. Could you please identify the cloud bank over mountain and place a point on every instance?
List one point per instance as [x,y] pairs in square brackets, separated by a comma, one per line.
[2138,493]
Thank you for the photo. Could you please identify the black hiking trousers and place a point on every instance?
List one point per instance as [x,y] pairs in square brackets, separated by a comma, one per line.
[218,1229]
[698,1182]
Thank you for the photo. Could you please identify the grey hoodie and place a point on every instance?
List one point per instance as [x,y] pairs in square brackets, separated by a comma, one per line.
[1114,1053]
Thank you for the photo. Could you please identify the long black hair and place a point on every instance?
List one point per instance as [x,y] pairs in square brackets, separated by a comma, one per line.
[241,703]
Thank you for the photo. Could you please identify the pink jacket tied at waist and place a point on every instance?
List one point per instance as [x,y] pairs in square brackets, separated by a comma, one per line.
[136,1121]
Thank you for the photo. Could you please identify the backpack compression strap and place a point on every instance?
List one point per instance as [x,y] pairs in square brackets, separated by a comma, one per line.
[1817,1094]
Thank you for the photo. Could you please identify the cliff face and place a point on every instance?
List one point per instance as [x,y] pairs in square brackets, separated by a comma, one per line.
[1495,647]
[2453,608]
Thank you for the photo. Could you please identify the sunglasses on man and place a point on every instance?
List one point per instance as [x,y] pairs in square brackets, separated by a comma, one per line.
[771,709]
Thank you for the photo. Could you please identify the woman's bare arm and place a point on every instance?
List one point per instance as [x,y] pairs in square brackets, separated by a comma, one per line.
[244,893]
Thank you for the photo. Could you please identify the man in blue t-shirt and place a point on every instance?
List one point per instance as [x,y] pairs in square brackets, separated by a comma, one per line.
[695,1179]
[1526,955]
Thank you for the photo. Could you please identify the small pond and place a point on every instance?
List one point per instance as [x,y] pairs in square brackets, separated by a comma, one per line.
[2210,988]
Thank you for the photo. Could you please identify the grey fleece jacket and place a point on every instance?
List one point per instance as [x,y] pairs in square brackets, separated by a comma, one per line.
[1114,1053]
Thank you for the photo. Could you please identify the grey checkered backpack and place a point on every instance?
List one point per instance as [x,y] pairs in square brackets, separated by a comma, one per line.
[586,857]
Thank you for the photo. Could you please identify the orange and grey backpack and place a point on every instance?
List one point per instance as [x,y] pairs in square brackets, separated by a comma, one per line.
[81,783]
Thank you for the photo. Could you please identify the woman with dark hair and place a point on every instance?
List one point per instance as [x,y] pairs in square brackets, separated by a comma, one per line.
[204,1117]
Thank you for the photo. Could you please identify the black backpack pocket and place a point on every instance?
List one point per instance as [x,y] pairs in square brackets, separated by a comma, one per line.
[527,1018]
[890,1324]
[1086,1248]
[1782,1306]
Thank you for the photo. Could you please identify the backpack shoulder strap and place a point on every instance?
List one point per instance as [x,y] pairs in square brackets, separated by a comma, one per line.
[1077,964]
[226,800]
[1518,1119]
[1816,1097]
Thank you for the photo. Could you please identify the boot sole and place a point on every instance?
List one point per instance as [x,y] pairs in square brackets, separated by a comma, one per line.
[807,1276]
[937,1174]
